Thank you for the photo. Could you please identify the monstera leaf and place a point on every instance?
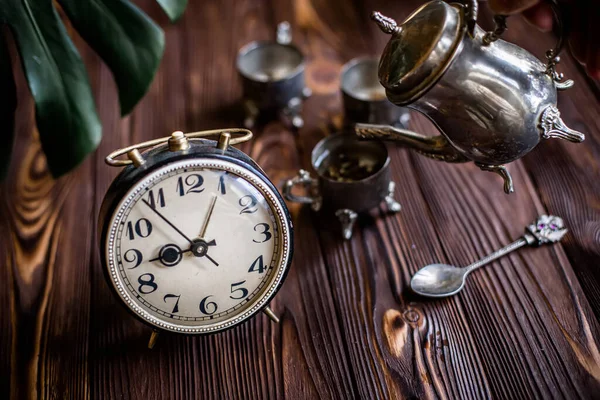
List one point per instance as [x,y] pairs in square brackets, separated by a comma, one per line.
[128,41]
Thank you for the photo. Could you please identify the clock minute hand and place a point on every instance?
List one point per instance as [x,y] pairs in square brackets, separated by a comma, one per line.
[168,222]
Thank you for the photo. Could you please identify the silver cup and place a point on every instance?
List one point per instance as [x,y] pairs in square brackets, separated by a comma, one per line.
[272,74]
[364,98]
[343,195]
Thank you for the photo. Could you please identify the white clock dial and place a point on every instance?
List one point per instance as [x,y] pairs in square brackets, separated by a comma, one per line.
[197,246]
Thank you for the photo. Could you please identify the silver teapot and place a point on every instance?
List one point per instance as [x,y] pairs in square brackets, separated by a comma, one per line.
[492,101]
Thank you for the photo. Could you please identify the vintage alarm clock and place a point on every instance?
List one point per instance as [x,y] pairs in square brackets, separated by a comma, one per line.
[195,238]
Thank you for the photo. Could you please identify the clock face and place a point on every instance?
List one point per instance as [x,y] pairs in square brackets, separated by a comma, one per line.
[198,246]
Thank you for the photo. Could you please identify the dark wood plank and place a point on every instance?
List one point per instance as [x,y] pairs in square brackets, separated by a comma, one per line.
[46,251]
[463,221]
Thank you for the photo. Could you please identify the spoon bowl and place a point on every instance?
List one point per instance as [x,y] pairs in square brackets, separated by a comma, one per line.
[438,280]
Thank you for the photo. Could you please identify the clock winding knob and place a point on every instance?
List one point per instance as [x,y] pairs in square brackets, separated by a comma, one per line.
[178,141]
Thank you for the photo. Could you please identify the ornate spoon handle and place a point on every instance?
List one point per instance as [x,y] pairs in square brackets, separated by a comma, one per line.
[546,229]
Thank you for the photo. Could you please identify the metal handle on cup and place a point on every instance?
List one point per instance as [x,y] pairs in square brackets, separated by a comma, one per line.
[552,55]
[303,178]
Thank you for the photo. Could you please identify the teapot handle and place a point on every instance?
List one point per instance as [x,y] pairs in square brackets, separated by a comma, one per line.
[500,27]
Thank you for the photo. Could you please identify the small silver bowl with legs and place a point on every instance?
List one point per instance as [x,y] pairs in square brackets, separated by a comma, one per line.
[352,176]
[272,74]
[364,97]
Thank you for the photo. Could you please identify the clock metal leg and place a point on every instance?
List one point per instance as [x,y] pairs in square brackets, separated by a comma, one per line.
[392,204]
[153,339]
[347,218]
[271,314]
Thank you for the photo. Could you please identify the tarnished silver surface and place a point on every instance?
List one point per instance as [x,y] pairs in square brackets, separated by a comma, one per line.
[347,219]
[499,29]
[343,198]
[309,183]
[390,201]
[419,50]
[492,101]
[272,74]
[553,126]
[489,103]
[546,229]
[364,98]
[442,280]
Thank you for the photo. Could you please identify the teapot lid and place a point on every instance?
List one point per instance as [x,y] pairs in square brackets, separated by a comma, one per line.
[420,50]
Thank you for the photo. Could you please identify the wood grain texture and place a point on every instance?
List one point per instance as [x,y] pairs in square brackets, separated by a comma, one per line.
[524,327]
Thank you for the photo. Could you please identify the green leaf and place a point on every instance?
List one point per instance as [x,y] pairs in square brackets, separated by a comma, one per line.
[65,110]
[173,8]
[126,39]
[8,105]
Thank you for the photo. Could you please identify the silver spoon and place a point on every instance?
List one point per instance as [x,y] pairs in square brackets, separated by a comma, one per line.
[441,280]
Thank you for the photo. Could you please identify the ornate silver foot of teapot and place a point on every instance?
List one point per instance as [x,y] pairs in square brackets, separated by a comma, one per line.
[492,101]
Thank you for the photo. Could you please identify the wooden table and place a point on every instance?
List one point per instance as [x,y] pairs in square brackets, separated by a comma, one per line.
[525,327]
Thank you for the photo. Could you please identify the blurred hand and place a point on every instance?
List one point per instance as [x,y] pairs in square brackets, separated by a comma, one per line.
[584,22]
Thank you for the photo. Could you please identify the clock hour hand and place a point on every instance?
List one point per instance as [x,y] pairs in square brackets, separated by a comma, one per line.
[169,222]
[170,254]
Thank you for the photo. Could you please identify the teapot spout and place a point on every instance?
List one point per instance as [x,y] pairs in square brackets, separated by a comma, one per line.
[552,126]
[436,147]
